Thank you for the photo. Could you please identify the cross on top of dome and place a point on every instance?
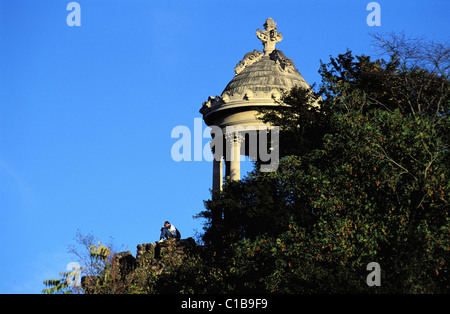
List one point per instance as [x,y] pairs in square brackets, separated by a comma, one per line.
[270,36]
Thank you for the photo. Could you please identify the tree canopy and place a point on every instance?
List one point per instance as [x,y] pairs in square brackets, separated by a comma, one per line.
[363,177]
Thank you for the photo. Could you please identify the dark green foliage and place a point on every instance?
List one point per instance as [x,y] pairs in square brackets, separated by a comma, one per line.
[303,121]
[366,181]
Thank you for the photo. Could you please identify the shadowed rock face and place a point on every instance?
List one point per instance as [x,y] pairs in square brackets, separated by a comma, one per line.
[153,253]
[149,256]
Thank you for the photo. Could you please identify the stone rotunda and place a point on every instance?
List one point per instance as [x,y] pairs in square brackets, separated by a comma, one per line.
[260,78]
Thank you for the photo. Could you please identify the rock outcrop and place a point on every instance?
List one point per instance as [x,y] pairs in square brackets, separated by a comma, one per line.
[150,257]
[156,255]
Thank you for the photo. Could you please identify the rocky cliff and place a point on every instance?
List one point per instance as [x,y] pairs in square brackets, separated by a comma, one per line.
[150,257]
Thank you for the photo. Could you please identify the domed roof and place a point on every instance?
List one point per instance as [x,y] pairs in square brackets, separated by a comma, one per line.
[262,74]
[260,78]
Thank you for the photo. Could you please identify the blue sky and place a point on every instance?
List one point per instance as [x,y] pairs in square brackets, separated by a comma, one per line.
[86,113]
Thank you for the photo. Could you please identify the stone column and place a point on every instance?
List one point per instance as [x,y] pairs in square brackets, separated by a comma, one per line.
[233,156]
[218,173]
[235,162]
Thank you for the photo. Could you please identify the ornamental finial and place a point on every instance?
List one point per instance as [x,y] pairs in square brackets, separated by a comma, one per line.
[270,36]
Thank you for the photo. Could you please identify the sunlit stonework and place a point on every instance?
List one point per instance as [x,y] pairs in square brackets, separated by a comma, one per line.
[260,78]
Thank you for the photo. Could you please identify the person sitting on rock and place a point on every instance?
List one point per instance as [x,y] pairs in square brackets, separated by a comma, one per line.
[169,231]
